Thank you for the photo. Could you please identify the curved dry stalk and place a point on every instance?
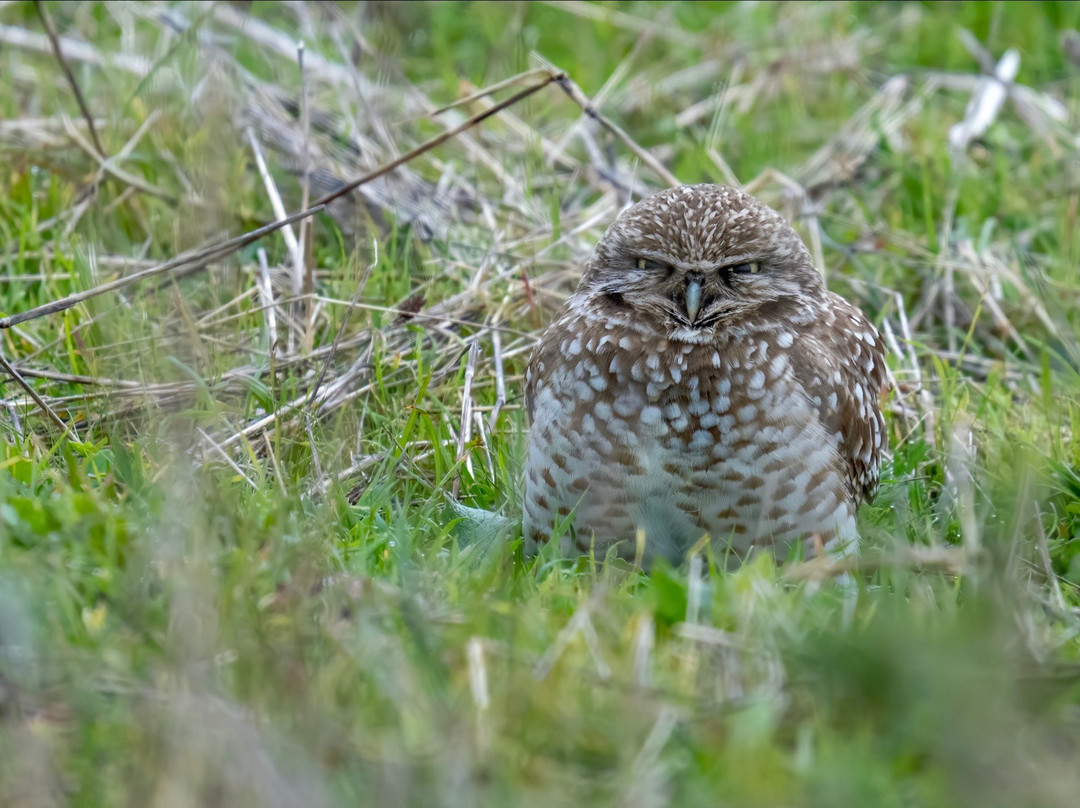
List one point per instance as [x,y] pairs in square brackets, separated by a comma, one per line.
[230,246]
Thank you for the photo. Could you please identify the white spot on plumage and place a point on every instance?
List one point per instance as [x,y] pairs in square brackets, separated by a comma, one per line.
[698,406]
[702,440]
[650,415]
[625,406]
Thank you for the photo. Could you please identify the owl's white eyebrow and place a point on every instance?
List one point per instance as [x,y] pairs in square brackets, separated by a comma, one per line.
[735,260]
[705,266]
[649,255]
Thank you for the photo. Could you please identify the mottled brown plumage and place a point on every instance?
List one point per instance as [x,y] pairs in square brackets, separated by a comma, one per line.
[702,380]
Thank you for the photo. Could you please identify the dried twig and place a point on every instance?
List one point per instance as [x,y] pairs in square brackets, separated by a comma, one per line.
[491,89]
[196,258]
[54,40]
[225,248]
[500,377]
[305,266]
[438,140]
[580,624]
[11,371]
[225,456]
[985,104]
[578,97]
[465,432]
[278,206]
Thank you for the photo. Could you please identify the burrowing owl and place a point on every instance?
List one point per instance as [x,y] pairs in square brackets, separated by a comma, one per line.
[702,380]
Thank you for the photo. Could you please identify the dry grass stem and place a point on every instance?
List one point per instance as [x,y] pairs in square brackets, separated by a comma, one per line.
[54,40]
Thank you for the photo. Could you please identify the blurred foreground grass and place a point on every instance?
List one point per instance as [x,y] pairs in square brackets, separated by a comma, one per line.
[244,583]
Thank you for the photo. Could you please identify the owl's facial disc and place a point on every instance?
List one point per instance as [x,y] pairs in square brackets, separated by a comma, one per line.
[689,259]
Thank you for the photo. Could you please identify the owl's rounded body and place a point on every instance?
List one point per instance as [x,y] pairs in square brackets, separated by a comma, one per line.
[760,429]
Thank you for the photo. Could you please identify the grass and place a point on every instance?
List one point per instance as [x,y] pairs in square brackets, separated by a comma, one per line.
[265,570]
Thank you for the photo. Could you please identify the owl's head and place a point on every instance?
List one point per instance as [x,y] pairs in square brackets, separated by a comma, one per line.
[691,259]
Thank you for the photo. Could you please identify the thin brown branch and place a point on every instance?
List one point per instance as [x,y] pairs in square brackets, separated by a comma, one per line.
[231,245]
[438,140]
[491,89]
[54,39]
[200,257]
[578,97]
[305,268]
[11,371]
[109,165]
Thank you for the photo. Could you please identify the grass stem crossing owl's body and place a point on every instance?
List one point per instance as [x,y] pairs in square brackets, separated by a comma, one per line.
[702,380]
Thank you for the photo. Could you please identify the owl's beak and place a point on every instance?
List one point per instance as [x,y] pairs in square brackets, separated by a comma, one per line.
[693,298]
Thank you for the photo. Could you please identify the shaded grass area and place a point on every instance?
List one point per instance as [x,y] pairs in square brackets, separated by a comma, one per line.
[267,571]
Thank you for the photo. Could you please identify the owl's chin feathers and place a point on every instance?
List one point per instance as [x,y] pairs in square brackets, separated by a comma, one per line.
[721,318]
[663,320]
[692,335]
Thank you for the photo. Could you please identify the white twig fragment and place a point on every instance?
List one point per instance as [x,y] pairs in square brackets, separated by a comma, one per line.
[500,377]
[647,775]
[695,589]
[1048,567]
[592,642]
[478,681]
[465,433]
[225,456]
[579,624]
[279,208]
[266,299]
[985,104]
[961,483]
[16,424]
[643,648]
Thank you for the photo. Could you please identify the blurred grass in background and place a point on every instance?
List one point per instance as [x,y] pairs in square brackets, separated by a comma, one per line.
[267,572]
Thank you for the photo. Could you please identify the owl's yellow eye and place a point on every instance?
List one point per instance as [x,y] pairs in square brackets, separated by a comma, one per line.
[749,268]
[648,263]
